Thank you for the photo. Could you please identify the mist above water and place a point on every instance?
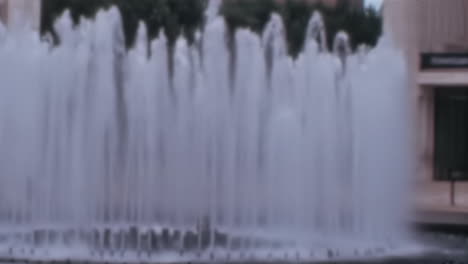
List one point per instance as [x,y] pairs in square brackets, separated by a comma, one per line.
[105,149]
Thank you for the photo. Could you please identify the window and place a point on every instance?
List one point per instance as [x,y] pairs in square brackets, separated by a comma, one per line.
[451,134]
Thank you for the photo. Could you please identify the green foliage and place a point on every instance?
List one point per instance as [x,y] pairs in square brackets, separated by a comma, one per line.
[186,16]
[247,13]
[296,16]
[364,26]
[174,16]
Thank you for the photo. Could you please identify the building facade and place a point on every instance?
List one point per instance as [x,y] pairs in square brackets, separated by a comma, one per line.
[433,34]
[21,11]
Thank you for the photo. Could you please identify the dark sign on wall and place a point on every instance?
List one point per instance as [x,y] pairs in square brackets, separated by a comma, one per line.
[444,61]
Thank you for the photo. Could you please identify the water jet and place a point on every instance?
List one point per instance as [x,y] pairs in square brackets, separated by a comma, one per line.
[115,155]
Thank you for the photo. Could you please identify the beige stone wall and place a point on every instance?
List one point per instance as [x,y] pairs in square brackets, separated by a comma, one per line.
[428,25]
[445,25]
[24,11]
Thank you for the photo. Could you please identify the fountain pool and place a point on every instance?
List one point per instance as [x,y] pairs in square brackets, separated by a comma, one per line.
[110,154]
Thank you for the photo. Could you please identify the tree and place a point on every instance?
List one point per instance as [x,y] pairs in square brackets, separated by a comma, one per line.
[363,26]
[174,16]
[246,13]
[178,17]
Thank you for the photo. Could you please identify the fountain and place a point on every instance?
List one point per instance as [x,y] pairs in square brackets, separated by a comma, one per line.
[110,155]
